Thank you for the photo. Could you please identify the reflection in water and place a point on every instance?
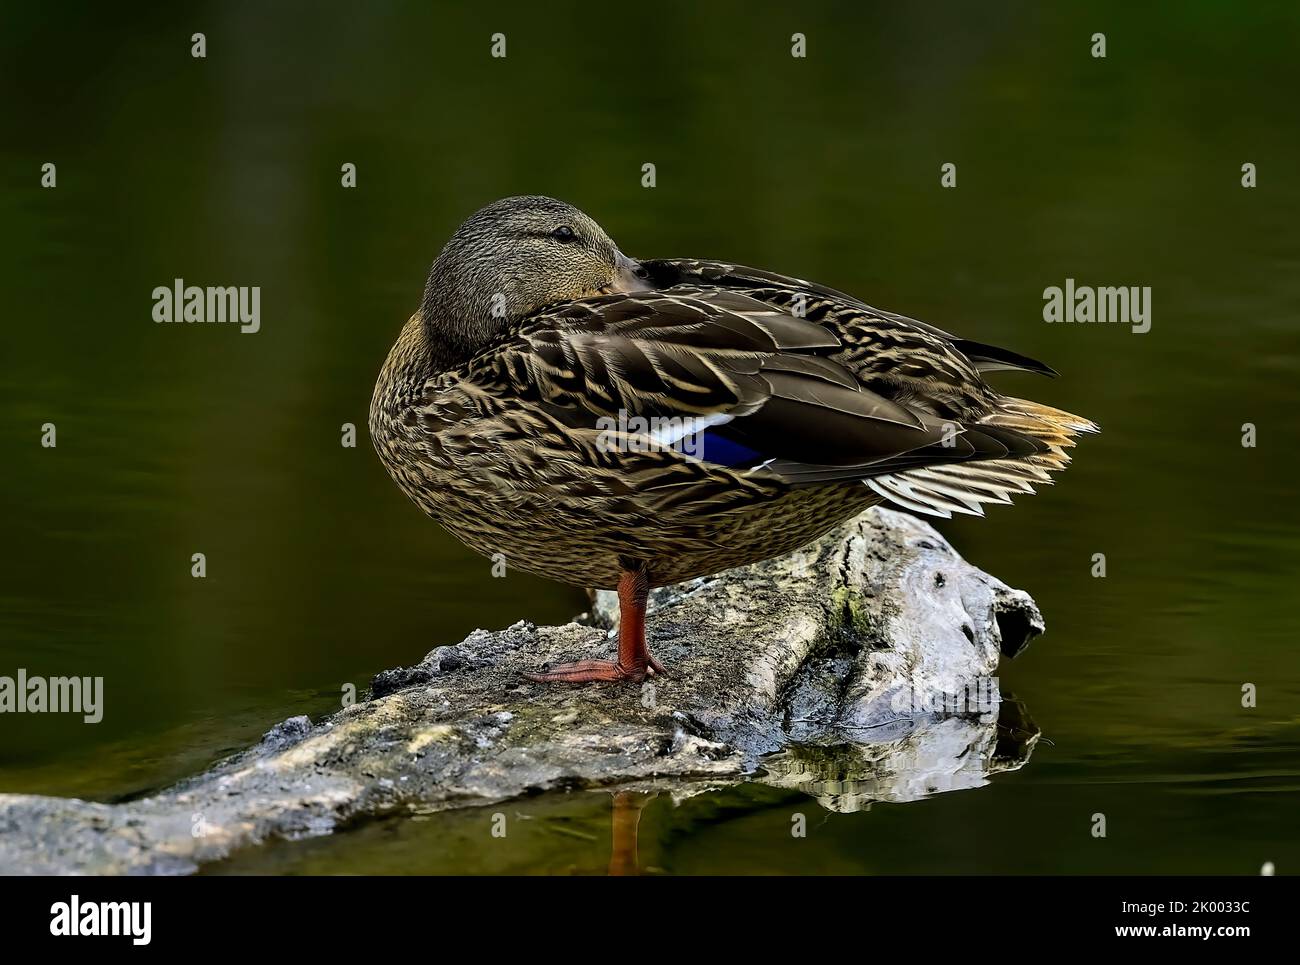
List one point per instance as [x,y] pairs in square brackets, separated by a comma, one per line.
[937,754]
[626,819]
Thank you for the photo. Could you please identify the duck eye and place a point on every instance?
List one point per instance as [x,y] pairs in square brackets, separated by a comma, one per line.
[564,234]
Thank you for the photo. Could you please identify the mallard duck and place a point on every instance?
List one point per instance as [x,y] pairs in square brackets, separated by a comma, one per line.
[623,424]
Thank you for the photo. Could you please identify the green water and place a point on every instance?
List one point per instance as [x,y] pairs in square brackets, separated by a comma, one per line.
[174,440]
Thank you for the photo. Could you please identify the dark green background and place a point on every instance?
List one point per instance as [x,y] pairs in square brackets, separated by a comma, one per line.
[225,171]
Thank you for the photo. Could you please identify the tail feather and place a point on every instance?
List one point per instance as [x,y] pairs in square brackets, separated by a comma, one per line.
[942,490]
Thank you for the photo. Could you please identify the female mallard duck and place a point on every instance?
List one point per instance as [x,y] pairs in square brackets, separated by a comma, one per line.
[612,423]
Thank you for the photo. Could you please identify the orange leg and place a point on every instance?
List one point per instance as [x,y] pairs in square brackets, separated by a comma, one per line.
[634,662]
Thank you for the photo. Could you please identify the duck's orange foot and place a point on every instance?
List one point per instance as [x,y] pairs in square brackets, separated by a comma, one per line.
[594,671]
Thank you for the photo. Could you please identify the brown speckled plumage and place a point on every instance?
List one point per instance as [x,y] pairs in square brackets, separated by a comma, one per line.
[488,420]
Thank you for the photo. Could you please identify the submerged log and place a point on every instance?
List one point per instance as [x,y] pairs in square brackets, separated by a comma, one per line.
[845,670]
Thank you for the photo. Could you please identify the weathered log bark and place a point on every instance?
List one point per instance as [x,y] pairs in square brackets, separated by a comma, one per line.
[825,664]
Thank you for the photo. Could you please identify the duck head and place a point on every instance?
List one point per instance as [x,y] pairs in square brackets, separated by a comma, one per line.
[512,258]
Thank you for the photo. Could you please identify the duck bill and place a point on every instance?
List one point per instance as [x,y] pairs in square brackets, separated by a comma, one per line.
[629,276]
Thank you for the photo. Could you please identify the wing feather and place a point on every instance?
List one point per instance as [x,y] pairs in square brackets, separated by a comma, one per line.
[822,390]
